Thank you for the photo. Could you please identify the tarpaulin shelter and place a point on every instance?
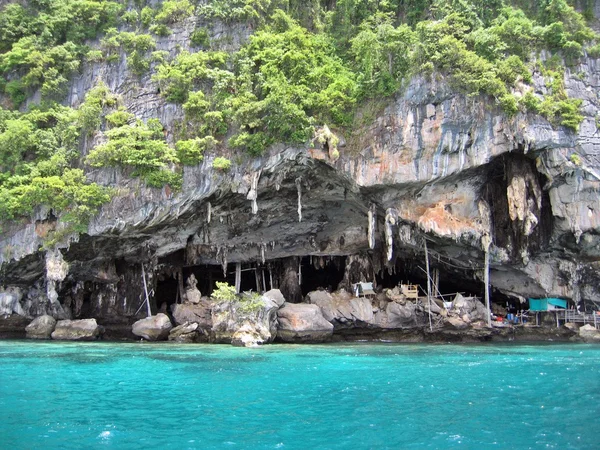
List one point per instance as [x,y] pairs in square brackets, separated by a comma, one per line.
[546,304]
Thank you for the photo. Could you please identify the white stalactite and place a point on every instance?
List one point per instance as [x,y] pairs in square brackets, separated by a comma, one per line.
[208,212]
[299,188]
[253,193]
[263,248]
[372,218]
[390,221]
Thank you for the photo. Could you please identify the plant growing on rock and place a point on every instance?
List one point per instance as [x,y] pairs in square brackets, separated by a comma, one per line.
[221,164]
[224,292]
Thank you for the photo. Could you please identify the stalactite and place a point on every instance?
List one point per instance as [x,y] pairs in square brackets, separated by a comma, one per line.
[372,218]
[253,193]
[208,212]
[263,248]
[299,188]
[390,221]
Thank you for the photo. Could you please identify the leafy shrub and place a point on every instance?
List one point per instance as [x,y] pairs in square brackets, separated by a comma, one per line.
[222,164]
[191,151]
[224,292]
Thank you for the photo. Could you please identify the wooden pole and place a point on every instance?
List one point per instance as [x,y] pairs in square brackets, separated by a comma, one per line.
[182,295]
[428,283]
[257,279]
[262,272]
[148,310]
[436,281]
[238,277]
[486,281]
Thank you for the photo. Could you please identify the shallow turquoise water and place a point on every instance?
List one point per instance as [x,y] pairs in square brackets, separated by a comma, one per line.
[96,395]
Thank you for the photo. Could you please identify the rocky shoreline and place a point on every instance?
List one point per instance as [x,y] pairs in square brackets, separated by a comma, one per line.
[251,320]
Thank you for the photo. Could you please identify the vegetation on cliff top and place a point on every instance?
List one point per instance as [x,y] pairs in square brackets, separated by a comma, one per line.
[307,64]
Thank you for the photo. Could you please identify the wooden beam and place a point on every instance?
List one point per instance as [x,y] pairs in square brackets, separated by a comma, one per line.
[238,277]
[486,281]
[428,283]
[148,309]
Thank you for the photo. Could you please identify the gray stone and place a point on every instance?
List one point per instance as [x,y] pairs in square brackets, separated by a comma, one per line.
[341,307]
[276,296]
[187,313]
[77,330]
[186,332]
[41,327]
[589,333]
[236,323]
[303,322]
[153,328]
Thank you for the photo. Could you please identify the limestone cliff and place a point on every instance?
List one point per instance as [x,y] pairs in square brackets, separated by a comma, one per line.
[433,165]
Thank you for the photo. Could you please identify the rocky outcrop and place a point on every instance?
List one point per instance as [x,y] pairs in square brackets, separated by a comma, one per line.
[248,321]
[10,301]
[341,308]
[303,323]
[77,330]
[153,328]
[41,327]
[199,313]
[589,333]
[187,332]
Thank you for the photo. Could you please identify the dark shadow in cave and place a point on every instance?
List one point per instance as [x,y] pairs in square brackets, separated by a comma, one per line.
[324,272]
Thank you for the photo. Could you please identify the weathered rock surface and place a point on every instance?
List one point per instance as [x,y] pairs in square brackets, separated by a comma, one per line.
[41,327]
[468,309]
[10,301]
[188,313]
[589,333]
[77,330]
[342,308]
[303,322]
[246,322]
[153,328]
[187,332]
[433,163]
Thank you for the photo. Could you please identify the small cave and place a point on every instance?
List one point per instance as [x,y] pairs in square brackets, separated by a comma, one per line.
[322,272]
[517,235]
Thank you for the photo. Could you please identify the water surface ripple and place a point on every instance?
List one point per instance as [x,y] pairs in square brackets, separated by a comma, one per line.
[357,396]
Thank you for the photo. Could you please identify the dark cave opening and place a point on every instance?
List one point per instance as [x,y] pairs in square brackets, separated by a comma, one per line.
[166,292]
[324,272]
[507,233]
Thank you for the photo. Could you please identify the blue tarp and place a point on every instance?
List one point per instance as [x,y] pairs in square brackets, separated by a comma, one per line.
[541,304]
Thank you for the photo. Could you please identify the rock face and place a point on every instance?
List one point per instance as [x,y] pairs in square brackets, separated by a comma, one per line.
[303,323]
[342,309]
[154,328]
[77,330]
[186,332]
[589,333]
[247,322]
[434,163]
[41,327]
[199,313]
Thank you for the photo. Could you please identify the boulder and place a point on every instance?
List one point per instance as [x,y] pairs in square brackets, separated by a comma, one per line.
[192,293]
[301,322]
[41,327]
[589,333]
[249,321]
[199,313]
[77,330]
[275,296]
[401,315]
[186,332]
[153,328]
[469,309]
[342,307]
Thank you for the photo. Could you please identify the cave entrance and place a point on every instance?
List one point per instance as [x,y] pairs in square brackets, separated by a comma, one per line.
[325,272]
[166,291]
[450,281]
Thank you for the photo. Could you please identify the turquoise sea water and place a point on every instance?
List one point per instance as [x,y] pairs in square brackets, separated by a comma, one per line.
[97,395]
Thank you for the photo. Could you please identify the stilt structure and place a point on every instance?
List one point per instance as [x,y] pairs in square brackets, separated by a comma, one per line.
[238,277]
[428,283]
[148,309]
[486,281]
